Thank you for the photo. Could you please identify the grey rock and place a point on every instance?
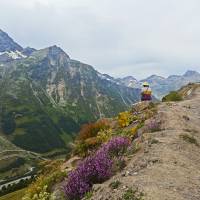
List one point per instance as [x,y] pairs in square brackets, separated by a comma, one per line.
[7,43]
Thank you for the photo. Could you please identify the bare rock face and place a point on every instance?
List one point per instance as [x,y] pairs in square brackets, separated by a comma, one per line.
[7,43]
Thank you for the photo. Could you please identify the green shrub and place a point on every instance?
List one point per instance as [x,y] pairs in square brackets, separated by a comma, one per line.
[131,194]
[88,195]
[154,141]
[115,184]
[172,96]
[104,136]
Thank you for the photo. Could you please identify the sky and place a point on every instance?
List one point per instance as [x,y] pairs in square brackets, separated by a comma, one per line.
[117,37]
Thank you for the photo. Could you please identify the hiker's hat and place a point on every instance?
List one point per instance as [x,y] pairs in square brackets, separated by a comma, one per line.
[145,84]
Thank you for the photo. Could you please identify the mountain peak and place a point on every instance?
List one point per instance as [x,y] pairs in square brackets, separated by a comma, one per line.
[28,51]
[7,43]
[191,73]
[129,78]
[130,81]
[152,77]
[53,52]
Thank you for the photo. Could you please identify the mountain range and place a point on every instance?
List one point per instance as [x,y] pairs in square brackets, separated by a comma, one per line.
[162,86]
[45,96]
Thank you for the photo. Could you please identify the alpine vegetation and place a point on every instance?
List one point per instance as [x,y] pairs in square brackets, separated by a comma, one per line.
[96,168]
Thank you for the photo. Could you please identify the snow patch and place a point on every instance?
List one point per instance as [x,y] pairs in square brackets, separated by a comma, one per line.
[14,54]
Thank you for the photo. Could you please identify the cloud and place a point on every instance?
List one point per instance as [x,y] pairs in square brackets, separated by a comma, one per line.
[124,37]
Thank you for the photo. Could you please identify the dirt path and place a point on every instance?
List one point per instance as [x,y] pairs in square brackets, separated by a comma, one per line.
[168,165]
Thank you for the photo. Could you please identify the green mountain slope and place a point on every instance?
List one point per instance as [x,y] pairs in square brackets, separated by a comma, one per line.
[28,118]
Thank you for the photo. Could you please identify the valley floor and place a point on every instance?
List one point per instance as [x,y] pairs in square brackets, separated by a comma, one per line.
[167,167]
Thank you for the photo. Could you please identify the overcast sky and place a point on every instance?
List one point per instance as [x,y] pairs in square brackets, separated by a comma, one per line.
[118,37]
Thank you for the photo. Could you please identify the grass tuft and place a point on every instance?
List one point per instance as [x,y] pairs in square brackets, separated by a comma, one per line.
[115,184]
[131,194]
[190,139]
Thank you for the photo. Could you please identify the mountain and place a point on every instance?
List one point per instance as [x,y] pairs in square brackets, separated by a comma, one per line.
[28,51]
[7,43]
[192,74]
[45,96]
[9,49]
[130,81]
[162,86]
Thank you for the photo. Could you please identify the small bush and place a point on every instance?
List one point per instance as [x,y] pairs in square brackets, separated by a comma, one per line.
[172,96]
[88,195]
[125,119]
[81,149]
[88,140]
[140,125]
[154,141]
[131,194]
[134,131]
[115,184]
[95,169]
[118,164]
[92,129]
[104,136]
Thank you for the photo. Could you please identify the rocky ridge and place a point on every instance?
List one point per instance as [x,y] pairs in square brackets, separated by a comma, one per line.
[167,163]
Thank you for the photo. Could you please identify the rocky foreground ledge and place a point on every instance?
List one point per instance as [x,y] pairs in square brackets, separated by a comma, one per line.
[167,166]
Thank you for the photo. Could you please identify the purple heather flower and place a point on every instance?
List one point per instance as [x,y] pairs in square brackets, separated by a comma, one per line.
[95,169]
